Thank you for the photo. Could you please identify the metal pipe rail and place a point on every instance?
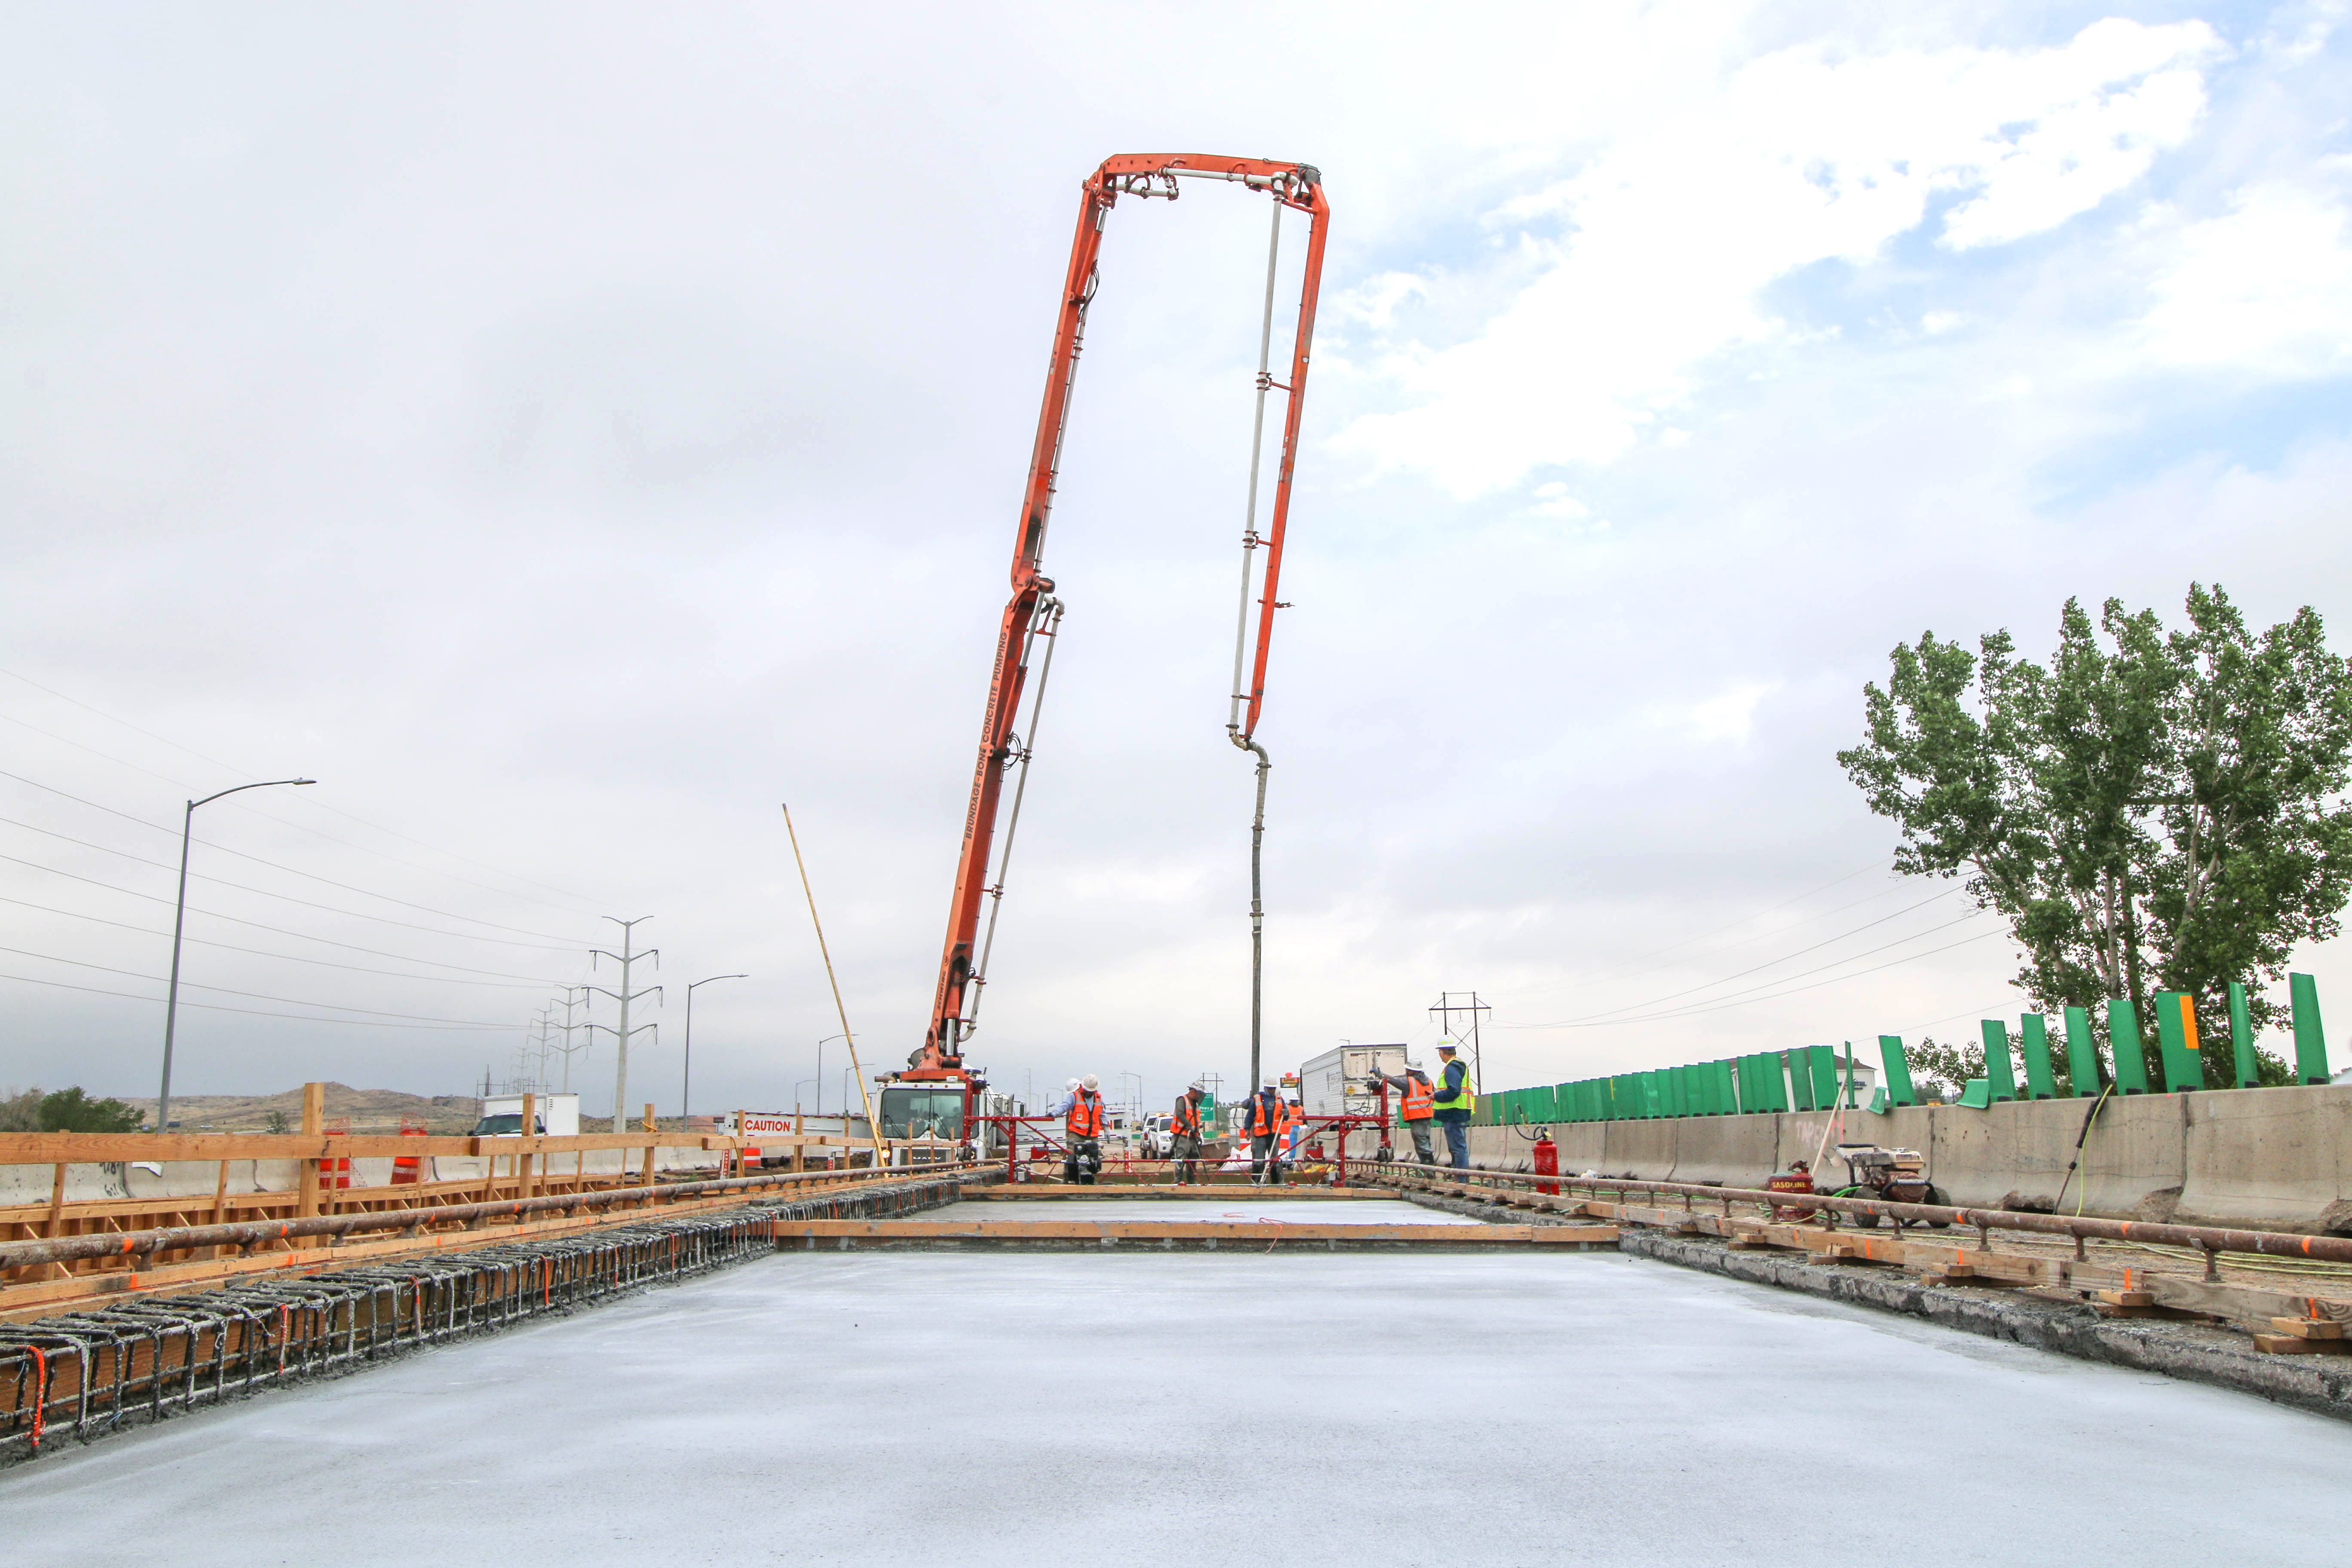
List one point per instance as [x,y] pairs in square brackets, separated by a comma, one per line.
[251,1234]
[2209,1239]
[90,1371]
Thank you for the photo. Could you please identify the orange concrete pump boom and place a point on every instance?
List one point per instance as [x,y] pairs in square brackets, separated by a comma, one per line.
[1033,614]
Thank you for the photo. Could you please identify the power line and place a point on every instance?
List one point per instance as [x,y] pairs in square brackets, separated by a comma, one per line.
[1694,1012]
[254,995]
[276,931]
[1768,963]
[253,1012]
[522,984]
[285,897]
[225,849]
[320,805]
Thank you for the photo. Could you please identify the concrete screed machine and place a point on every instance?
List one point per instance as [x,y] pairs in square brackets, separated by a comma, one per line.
[937,1094]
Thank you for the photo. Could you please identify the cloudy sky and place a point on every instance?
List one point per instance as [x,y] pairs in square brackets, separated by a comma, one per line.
[568,433]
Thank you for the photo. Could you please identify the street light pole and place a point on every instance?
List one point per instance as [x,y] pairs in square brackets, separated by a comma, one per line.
[179,923]
[686,1084]
[819,1082]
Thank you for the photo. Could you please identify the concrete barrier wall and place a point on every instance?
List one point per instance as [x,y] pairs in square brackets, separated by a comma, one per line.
[2258,1156]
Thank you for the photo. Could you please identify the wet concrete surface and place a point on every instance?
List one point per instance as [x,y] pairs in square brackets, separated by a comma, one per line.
[1209,1409]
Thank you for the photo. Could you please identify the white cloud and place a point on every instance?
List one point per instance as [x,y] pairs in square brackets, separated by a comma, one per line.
[1805,157]
[2267,284]
[1731,715]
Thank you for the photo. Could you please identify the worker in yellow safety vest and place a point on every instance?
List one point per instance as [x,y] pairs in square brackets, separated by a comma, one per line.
[1454,1100]
[1417,1111]
[1083,1125]
[1184,1133]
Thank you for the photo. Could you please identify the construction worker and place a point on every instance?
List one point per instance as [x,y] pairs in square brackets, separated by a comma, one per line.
[1294,1131]
[1263,1121]
[1184,1135]
[1453,1102]
[1082,1126]
[1416,1110]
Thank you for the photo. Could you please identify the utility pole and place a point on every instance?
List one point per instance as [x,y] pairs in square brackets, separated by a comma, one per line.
[627,958]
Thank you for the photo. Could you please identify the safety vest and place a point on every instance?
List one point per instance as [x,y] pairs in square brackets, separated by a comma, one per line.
[1465,1100]
[1419,1100]
[1086,1120]
[1261,1124]
[1188,1119]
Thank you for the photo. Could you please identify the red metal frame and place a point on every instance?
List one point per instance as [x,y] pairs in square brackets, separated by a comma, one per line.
[1296,185]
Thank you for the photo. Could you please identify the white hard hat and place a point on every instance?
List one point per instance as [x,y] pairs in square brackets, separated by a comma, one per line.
[1446,1046]
[1093,1083]
[1074,1083]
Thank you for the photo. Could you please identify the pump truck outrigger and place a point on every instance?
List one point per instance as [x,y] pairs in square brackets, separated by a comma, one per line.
[1032,614]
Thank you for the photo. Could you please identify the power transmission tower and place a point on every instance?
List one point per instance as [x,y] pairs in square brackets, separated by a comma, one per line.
[567,1047]
[627,958]
[1474,1010]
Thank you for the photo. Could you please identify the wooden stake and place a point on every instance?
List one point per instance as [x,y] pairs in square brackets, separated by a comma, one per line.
[530,1130]
[314,1125]
[650,1148]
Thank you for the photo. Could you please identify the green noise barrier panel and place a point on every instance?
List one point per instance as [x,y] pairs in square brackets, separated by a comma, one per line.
[2310,1045]
[1899,1070]
[2033,1041]
[2000,1074]
[2176,1036]
[2082,1052]
[2242,1039]
[2124,1046]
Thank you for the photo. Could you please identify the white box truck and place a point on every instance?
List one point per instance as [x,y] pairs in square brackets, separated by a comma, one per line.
[558,1116]
[1333,1083]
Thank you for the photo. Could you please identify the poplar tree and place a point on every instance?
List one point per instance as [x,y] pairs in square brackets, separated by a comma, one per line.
[2152,811]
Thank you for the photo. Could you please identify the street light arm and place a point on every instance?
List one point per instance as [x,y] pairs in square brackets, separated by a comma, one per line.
[265,784]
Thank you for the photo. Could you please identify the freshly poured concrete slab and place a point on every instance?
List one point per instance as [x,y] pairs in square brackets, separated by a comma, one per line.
[1209,1409]
[1288,1211]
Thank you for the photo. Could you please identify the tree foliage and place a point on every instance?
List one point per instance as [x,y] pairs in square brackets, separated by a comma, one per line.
[71,1110]
[20,1112]
[2152,811]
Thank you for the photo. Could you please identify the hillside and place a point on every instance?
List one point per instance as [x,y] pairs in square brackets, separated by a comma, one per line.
[368,1109]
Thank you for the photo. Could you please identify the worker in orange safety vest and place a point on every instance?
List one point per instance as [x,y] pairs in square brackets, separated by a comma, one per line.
[1082,1125]
[1263,1121]
[1184,1133]
[1417,1111]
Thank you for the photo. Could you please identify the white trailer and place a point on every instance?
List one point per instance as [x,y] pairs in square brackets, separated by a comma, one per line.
[1333,1083]
[558,1116]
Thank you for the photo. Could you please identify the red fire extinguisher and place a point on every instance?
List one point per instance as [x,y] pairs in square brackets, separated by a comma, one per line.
[1546,1154]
